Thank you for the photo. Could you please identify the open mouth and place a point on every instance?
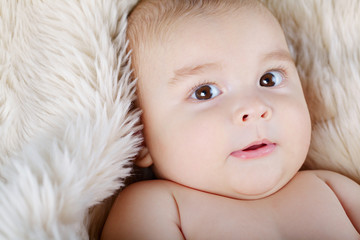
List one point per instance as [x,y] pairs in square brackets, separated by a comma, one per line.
[255,150]
[255,147]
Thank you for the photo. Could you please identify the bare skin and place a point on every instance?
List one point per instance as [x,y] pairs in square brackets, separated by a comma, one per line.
[226,129]
[165,210]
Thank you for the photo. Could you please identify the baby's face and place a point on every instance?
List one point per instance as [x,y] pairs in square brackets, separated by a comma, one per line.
[223,107]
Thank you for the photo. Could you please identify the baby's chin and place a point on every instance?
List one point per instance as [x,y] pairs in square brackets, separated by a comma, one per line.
[254,195]
[241,194]
[257,189]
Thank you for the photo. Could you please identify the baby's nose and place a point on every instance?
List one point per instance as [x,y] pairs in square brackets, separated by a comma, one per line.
[253,112]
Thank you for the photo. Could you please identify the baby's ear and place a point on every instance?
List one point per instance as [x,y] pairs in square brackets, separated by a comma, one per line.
[144,159]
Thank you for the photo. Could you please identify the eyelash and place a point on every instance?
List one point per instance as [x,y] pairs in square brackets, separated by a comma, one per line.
[283,70]
[198,85]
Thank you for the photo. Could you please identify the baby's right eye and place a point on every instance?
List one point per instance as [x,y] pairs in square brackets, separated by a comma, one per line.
[205,92]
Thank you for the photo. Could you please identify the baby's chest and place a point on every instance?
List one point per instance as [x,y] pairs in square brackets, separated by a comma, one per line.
[297,216]
[227,222]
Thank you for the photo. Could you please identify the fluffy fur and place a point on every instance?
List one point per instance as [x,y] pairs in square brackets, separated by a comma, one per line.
[68,131]
[66,125]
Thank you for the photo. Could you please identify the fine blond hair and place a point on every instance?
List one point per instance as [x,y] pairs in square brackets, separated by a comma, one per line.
[151,20]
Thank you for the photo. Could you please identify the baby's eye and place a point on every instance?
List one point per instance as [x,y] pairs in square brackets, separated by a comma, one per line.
[271,79]
[205,92]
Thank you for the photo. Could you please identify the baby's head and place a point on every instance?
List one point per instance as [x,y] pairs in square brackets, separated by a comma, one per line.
[223,107]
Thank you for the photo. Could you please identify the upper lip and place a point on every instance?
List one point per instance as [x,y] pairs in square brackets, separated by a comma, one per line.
[257,144]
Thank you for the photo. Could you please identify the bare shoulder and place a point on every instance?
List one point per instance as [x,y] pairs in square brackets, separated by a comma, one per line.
[144,210]
[328,177]
[338,183]
[153,189]
[346,190]
[334,179]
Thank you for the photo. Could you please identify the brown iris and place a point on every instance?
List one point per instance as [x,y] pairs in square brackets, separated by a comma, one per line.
[267,80]
[204,92]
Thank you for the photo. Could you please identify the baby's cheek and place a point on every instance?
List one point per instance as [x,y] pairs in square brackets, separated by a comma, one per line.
[204,139]
[298,128]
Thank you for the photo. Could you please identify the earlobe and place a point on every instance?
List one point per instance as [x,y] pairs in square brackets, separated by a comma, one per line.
[144,159]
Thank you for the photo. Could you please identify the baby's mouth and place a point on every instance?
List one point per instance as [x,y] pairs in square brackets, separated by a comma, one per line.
[255,150]
[255,147]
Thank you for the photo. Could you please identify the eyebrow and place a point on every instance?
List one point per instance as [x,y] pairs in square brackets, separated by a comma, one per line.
[193,70]
[281,55]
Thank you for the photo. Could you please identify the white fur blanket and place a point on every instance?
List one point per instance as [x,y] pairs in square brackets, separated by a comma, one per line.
[66,131]
[67,128]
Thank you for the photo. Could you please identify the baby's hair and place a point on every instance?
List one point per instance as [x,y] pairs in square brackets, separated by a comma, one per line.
[151,20]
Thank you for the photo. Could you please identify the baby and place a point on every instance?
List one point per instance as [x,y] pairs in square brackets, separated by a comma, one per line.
[226,130]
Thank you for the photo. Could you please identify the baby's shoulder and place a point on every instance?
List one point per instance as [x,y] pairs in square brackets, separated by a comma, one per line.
[151,187]
[328,177]
[346,190]
[132,214]
[148,194]
[325,182]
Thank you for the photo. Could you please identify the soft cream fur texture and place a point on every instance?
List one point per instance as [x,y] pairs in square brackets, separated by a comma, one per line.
[66,126]
[67,130]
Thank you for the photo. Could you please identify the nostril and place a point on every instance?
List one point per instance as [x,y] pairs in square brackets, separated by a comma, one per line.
[245,117]
[267,114]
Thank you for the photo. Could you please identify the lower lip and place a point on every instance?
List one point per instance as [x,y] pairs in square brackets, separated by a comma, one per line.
[253,154]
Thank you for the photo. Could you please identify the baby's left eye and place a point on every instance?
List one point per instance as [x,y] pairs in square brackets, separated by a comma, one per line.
[271,79]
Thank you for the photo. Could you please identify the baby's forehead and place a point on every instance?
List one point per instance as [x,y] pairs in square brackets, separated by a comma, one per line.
[169,21]
[152,19]
[151,36]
